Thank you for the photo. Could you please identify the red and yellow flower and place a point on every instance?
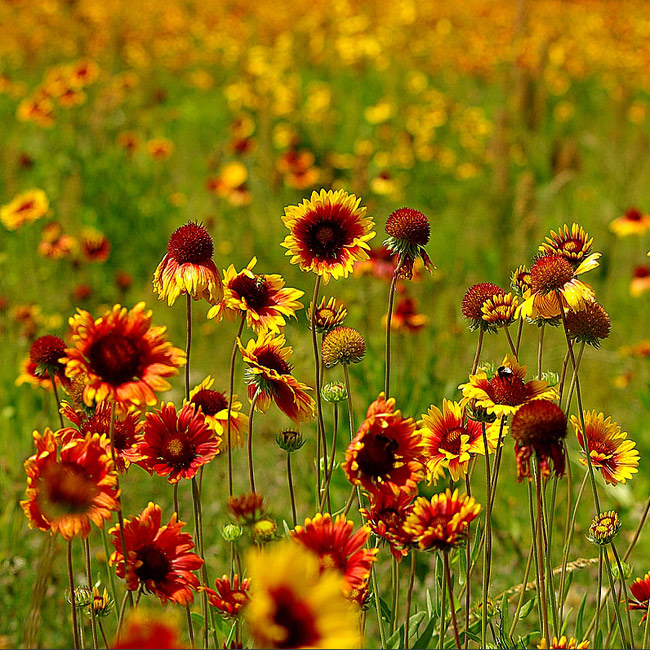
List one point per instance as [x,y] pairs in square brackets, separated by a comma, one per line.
[145,629]
[611,452]
[563,642]
[441,524]
[176,445]
[127,429]
[406,317]
[328,233]
[386,515]
[633,222]
[294,604]
[337,547]
[214,406]
[262,298]
[269,372]
[187,268]
[450,439]
[506,391]
[24,208]
[160,558]
[123,357]
[387,453]
[640,589]
[229,598]
[65,495]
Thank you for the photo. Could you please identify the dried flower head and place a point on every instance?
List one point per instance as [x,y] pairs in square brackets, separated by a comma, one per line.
[474,300]
[590,325]
[343,345]
[539,427]
[408,233]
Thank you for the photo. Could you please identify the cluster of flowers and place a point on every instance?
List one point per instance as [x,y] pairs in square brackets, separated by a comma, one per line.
[309,590]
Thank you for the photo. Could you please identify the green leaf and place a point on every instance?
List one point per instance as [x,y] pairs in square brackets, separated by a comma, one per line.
[566,622]
[504,628]
[429,604]
[197,618]
[527,608]
[427,634]
[580,616]
[599,639]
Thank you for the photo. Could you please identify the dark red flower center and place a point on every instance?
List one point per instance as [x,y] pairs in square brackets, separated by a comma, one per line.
[67,490]
[550,273]
[270,358]
[155,565]
[451,440]
[539,424]
[115,358]
[210,401]
[324,238]
[27,205]
[191,244]
[254,291]
[475,298]
[633,214]
[178,452]
[377,456]
[508,389]
[47,350]
[642,272]
[409,224]
[294,616]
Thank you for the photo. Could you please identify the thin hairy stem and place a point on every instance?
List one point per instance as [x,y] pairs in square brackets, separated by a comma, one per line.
[600,591]
[332,458]
[231,388]
[293,498]
[487,547]
[380,622]
[320,429]
[540,554]
[89,577]
[454,623]
[513,348]
[56,397]
[477,356]
[198,529]
[540,349]
[73,604]
[389,318]
[409,595]
[625,596]
[188,345]
[520,328]
[250,439]
[522,594]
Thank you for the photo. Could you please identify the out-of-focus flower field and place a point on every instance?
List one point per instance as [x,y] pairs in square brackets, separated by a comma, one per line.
[123,120]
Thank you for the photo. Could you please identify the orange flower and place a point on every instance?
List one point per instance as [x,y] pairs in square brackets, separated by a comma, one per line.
[504,393]
[229,598]
[328,316]
[176,445]
[65,495]
[124,358]
[563,642]
[610,450]
[24,208]
[640,589]
[328,233]
[127,428]
[263,298]
[270,372]
[29,375]
[160,148]
[441,524]
[633,222]
[387,453]
[386,516]
[187,268]
[406,318]
[148,630]
[95,246]
[640,282]
[380,263]
[160,557]
[450,439]
[338,548]
[214,407]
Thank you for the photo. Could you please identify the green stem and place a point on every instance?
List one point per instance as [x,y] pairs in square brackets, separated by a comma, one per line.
[389,317]
[569,539]
[647,628]
[625,596]
[443,614]
[540,554]
[513,349]
[346,374]
[487,547]
[468,575]
[531,512]
[120,619]
[409,595]
[89,577]
[522,594]
[600,589]
[73,604]
[293,498]
[198,527]
[479,346]
[111,576]
[539,352]
[333,456]
[250,439]
[445,560]
[320,429]
[231,388]
[548,557]
[188,346]
[380,622]
[617,611]
[56,397]
[520,328]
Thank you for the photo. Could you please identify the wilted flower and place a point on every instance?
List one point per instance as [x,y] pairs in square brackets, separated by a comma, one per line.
[408,233]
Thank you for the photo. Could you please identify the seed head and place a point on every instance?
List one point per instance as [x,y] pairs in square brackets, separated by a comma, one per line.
[191,244]
[591,324]
[409,225]
[550,273]
[343,345]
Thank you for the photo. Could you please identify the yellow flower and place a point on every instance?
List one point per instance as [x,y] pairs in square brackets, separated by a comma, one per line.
[293,606]
[24,208]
